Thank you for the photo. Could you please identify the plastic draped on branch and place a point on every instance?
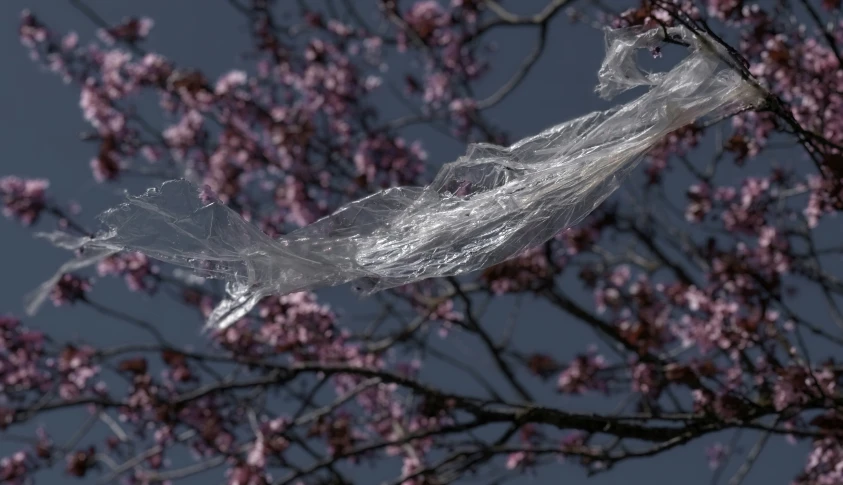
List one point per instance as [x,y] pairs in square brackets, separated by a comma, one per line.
[486,207]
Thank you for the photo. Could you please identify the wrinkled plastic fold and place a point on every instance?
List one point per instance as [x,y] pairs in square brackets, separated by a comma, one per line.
[486,207]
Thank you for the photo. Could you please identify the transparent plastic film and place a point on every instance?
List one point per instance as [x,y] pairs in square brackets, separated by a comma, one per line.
[484,208]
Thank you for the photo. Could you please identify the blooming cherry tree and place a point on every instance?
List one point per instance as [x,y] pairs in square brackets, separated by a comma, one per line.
[692,297]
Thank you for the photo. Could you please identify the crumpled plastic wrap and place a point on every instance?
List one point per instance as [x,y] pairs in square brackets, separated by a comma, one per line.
[486,207]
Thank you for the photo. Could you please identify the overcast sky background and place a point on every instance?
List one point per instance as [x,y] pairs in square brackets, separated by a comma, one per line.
[39,135]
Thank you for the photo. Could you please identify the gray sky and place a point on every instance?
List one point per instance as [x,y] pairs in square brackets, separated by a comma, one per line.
[39,133]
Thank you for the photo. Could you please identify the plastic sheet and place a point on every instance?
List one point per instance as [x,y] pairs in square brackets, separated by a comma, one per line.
[480,210]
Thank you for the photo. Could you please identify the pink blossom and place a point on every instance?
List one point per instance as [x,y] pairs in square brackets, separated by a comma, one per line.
[717,454]
[528,271]
[823,464]
[69,289]
[31,31]
[389,162]
[130,31]
[700,203]
[23,199]
[428,20]
[14,469]
[230,81]
[137,270]
[645,380]
[583,374]
[519,459]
